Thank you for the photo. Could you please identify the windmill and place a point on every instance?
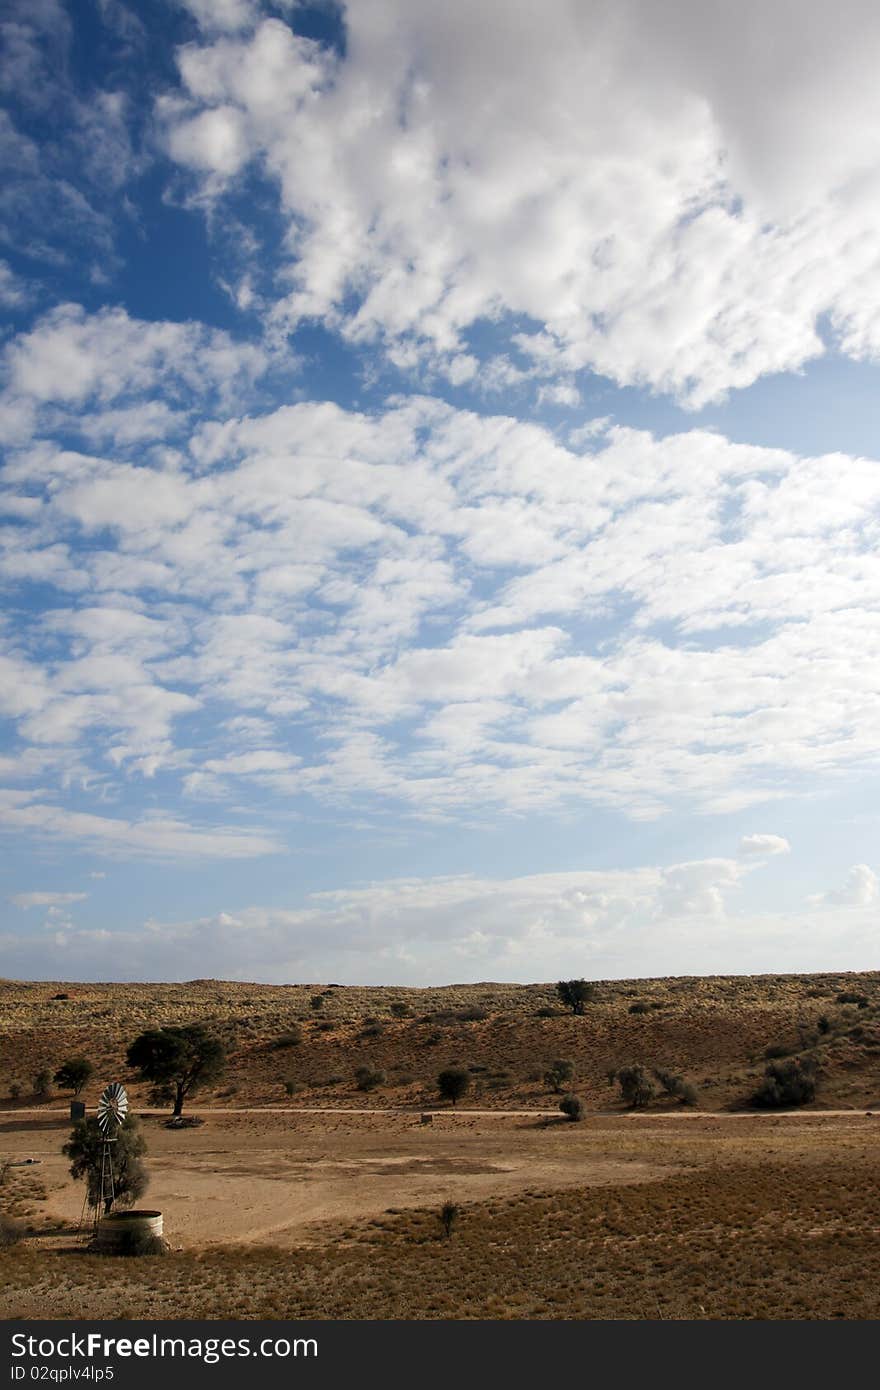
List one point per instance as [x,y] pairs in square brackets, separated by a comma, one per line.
[112,1110]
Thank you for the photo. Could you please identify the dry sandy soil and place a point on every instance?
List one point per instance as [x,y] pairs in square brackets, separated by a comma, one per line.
[280,1179]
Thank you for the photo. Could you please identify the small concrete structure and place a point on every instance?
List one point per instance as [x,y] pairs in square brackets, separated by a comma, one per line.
[121,1232]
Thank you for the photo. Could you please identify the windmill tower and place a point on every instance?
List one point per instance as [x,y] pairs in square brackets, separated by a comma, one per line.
[112,1110]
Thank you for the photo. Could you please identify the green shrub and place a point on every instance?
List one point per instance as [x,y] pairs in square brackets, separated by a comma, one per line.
[573,1107]
[400,1010]
[786,1083]
[674,1085]
[449,1214]
[292,1038]
[558,1073]
[85,1148]
[42,1083]
[138,1243]
[368,1078]
[636,1086]
[453,1082]
[11,1231]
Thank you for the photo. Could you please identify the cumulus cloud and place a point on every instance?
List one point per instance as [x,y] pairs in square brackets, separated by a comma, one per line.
[70,359]
[861,888]
[674,195]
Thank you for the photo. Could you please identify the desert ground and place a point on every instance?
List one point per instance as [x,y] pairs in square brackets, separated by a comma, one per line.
[300,1196]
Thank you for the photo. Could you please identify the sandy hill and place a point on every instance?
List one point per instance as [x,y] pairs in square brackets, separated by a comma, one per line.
[302,1044]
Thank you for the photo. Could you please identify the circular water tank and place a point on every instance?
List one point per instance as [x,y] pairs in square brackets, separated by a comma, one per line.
[123,1232]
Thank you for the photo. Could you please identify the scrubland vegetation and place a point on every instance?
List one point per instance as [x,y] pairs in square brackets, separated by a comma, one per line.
[705,1042]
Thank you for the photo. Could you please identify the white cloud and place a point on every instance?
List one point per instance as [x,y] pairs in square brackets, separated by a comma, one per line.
[860,889]
[214,141]
[14,291]
[450,611]
[675,195]
[602,924]
[763,845]
[46,899]
[154,837]
[223,15]
[70,358]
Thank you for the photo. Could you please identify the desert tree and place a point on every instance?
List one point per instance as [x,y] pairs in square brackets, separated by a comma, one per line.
[572,1107]
[177,1060]
[85,1150]
[74,1074]
[452,1083]
[575,994]
[636,1086]
[558,1073]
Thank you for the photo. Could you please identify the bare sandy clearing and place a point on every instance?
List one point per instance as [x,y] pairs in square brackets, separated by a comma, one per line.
[288,1178]
[265,1177]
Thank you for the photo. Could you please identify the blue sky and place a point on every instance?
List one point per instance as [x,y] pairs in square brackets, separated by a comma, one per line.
[440,501]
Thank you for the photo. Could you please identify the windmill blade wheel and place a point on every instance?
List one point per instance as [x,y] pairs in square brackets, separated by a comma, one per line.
[112,1108]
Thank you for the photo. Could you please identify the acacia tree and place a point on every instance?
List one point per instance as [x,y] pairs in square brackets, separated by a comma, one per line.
[452,1083]
[73,1074]
[85,1148]
[177,1060]
[575,994]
